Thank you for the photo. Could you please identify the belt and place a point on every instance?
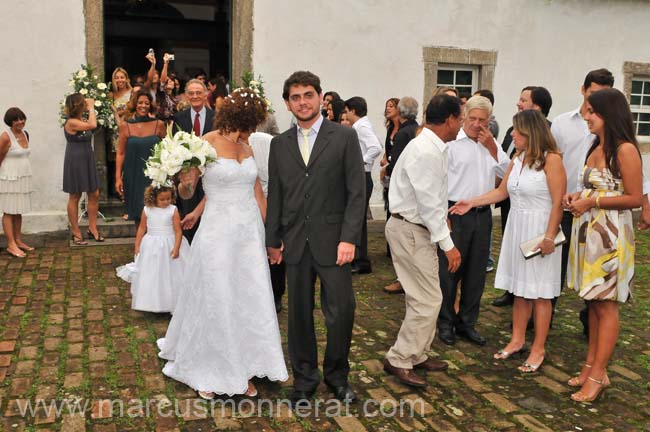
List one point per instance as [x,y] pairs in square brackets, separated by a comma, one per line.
[473,209]
[400,217]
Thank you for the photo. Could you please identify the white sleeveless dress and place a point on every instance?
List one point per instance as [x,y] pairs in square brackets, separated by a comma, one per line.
[530,207]
[15,179]
[225,330]
[156,279]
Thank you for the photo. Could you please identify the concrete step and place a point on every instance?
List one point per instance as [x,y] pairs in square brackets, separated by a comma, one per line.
[110,227]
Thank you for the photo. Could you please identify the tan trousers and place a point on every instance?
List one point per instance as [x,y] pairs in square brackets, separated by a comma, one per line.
[416,263]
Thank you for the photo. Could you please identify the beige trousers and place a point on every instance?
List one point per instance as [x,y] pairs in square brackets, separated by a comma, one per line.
[416,263]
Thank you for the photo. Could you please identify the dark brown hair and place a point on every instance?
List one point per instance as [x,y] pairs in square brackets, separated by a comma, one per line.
[241,111]
[304,78]
[14,114]
[612,106]
[151,194]
[533,125]
[387,121]
[75,105]
[133,103]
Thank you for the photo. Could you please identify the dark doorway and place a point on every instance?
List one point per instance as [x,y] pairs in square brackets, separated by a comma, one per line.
[197,32]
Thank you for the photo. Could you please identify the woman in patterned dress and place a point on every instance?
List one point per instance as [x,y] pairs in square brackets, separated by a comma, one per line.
[601,255]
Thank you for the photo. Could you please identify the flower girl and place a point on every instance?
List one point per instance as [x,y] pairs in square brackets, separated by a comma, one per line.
[160,254]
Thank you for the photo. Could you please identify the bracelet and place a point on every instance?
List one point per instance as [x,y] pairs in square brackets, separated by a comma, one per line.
[598,202]
[549,239]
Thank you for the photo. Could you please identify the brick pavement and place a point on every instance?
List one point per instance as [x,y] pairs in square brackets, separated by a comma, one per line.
[67,335]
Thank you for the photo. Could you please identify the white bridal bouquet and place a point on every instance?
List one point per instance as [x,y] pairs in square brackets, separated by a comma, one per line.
[176,153]
[84,81]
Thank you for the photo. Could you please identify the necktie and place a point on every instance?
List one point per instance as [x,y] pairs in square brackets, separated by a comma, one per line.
[197,125]
[304,145]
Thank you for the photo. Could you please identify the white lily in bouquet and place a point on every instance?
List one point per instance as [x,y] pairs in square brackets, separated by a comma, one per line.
[175,153]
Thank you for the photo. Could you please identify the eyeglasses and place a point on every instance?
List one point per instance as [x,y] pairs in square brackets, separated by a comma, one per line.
[195,93]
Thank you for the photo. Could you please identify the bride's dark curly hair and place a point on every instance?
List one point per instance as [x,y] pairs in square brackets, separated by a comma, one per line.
[242,110]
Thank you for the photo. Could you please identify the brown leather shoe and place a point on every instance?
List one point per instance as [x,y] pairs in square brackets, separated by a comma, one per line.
[394,288]
[432,365]
[405,376]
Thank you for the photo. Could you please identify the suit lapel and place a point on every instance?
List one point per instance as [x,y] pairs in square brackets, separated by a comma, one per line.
[292,144]
[209,120]
[322,139]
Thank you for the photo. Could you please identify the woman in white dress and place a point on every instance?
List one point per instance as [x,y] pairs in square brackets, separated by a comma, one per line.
[535,183]
[225,330]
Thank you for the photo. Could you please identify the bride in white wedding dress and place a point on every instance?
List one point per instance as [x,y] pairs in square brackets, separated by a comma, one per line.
[224,330]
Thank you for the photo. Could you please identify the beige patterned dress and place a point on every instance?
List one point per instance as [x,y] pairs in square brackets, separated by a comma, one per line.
[601,257]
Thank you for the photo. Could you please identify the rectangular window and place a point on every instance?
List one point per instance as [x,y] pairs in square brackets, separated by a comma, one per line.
[462,78]
[640,105]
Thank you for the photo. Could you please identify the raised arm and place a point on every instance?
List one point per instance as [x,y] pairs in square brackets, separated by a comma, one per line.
[151,71]
[74,125]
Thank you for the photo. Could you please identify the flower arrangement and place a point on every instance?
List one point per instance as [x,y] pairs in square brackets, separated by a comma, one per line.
[173,154]
[257,85]
[85,82]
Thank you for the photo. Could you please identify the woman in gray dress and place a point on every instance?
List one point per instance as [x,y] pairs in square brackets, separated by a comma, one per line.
[79,169]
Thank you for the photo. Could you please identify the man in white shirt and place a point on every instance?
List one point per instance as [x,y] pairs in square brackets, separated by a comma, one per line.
[356,111]
[418,223]
[475,161]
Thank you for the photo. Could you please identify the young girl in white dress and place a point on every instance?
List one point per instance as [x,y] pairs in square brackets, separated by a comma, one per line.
[161,252]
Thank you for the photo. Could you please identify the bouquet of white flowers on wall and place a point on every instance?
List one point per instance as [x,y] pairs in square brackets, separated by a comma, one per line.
[176,153]
[85,82]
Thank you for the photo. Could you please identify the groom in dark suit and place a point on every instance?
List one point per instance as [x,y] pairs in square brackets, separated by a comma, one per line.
[198,119]
[315,214]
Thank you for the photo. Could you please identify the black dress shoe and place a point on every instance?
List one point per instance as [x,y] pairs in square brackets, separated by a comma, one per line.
[506,299]
[447,336]
[300,398]
[472,335]
[343,392]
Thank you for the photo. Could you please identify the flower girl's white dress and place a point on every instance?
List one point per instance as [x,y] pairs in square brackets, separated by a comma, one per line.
[225,330]
[155,277]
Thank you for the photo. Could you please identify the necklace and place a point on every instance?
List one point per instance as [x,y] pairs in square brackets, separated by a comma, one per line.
[230,139]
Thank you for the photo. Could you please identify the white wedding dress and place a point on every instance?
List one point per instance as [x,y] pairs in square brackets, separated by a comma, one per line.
[224,330]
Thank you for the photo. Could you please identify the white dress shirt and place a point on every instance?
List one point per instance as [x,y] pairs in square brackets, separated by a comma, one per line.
[418,186]
[201,118]
[472,169]
[260,142]
[370,145]
[573,139]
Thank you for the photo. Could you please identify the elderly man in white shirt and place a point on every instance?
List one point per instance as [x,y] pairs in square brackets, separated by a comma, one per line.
[418,224]
[356,111]
[475,161]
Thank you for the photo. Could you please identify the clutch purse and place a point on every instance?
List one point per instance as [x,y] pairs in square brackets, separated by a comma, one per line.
[528,247]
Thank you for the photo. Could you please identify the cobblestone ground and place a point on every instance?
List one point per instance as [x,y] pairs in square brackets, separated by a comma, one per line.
[67,334]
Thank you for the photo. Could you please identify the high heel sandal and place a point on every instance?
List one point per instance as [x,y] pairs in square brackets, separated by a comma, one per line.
[528,368]
[251,393]
[99,237]
[206,395]
[505,355]
[579,396]
[575,381]
[79,241]
[16,255]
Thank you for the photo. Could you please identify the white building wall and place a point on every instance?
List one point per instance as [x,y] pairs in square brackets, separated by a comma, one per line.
[43,43]
[373,48]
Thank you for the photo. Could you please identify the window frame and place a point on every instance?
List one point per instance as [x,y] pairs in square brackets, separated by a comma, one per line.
[633,71]
[643,108]
[475,69]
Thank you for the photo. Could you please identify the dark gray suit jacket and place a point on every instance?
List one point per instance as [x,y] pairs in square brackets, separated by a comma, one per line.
[320,204]
[186,123]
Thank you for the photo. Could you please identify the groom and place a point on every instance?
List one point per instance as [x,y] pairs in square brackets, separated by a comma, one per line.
[314,221]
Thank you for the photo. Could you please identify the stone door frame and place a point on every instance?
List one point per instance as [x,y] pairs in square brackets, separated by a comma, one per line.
[241,49]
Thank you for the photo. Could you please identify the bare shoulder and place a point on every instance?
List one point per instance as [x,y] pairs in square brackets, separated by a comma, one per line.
[628,150]
[554,159]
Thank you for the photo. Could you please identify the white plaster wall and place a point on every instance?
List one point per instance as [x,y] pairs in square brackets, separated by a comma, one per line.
[44,42]
[373,48]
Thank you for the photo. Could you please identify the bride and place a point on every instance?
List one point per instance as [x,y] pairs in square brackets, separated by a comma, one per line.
[224,330]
